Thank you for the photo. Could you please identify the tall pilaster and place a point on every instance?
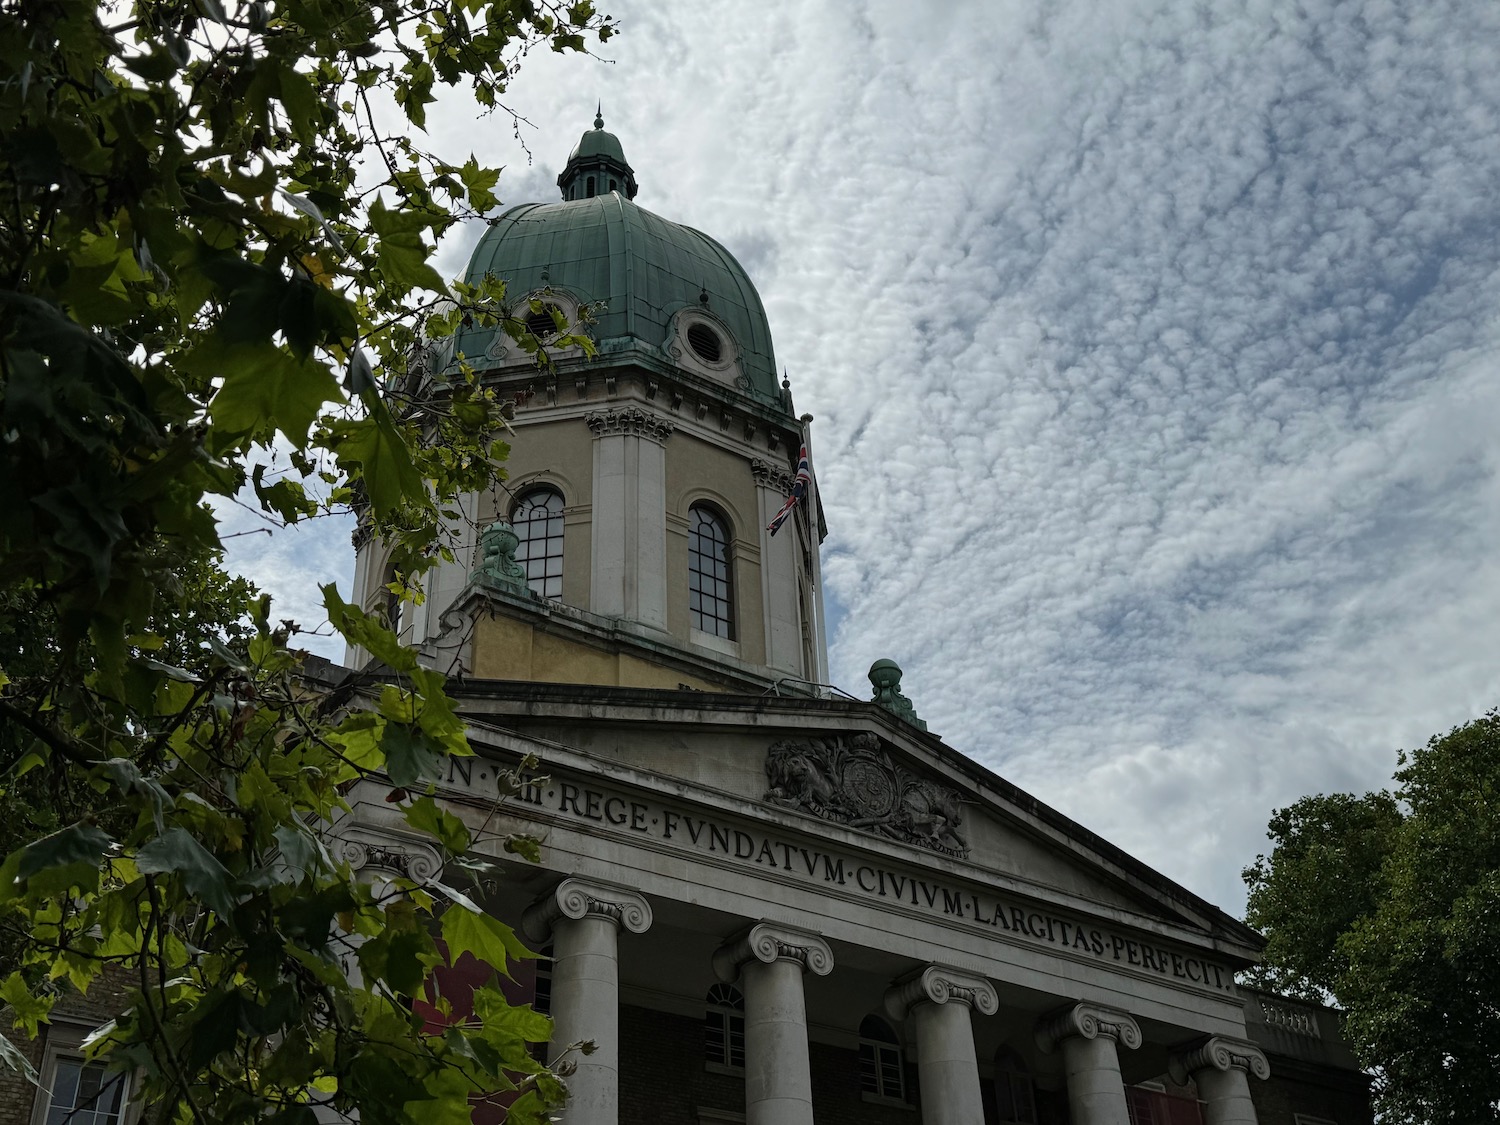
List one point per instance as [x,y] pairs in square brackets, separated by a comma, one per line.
[769,960]
[938,1001]
[629,567]
[1221,1068]
[778,571]
[584,920]
[1089,1035]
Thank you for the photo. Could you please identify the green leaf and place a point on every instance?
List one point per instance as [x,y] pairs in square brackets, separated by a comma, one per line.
[377,449]
[486,937]
[176,852]
[480,182]
[76,844]
[11,1056]
[425,815]
[410,756]
[264,388]
[403,254]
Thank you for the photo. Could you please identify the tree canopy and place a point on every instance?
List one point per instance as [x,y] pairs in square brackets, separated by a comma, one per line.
[1390,904]
[215,288]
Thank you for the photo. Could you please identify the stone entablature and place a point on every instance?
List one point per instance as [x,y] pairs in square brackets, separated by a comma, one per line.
[775,477]
[729,851]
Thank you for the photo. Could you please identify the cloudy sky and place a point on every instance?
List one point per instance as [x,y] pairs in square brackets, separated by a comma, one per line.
[1152,348]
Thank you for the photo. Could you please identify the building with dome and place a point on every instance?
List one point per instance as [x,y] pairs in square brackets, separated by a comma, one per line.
[764,900]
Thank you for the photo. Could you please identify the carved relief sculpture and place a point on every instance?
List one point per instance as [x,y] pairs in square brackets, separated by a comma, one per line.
[851,780]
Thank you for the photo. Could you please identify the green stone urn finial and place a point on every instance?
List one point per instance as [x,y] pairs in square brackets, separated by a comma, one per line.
[885,677]
[497,559]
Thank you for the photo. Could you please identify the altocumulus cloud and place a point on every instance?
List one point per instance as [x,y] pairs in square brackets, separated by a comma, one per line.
[1153,354]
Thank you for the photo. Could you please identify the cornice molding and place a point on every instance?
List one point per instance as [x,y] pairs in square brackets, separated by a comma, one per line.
[1217,1053]
[1087,1021]
[942,984]
[769,942]
[577,899]
[631,421]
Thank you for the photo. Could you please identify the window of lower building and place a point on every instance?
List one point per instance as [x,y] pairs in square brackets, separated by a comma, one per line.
[542,997]
[724,1027]
[84,1093]
[1015,1098]
[1154,1107]
[881,1072]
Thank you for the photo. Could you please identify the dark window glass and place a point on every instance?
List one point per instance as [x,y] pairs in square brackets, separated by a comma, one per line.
[538,522]
[710,582]
[724,1026]
[84,1094]
[591,187]
[880,1068]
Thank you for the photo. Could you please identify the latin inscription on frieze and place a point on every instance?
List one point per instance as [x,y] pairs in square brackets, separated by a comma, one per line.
[977,909]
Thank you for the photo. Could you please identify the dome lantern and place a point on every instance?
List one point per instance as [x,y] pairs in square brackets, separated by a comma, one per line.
[597,165]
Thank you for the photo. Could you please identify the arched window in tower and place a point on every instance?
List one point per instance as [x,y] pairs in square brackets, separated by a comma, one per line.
[710,574]
[1015,1098]
[881,1072]
[538,522]
[724,1026]
[591,187]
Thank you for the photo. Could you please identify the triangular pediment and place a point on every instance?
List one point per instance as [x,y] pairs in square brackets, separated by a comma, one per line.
[851,771]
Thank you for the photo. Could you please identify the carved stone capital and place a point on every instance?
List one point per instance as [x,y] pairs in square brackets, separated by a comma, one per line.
[1217,1053]
[1087,1021]
[576,898]
[632,421]
[940,984]
[769,942]
[406,858]
[768,475]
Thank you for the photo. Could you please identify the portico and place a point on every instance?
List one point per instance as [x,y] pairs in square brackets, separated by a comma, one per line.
[672,861]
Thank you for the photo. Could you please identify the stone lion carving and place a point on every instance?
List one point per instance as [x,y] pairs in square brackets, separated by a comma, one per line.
[851,780]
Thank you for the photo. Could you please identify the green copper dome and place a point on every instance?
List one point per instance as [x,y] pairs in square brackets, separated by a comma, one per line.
[637,269]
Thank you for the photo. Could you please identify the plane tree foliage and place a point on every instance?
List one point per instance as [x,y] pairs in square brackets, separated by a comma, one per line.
[1389,904]
[216,231]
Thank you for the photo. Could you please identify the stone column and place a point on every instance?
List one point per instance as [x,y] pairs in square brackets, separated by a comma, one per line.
[938,1001]
[1221,1068]
[1089,1035]
[584,921]
[769,960]
[629,565]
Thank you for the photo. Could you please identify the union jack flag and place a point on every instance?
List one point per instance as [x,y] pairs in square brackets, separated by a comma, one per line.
[799,490]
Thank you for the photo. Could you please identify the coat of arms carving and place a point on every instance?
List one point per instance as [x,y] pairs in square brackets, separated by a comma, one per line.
[850,779]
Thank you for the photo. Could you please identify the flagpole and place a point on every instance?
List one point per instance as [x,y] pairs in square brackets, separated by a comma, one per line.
[820,639]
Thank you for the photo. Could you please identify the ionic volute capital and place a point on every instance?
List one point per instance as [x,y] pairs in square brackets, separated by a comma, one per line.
[578,898]
[1087,1021]
[941,984]
[769,942]
[1217,1053]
